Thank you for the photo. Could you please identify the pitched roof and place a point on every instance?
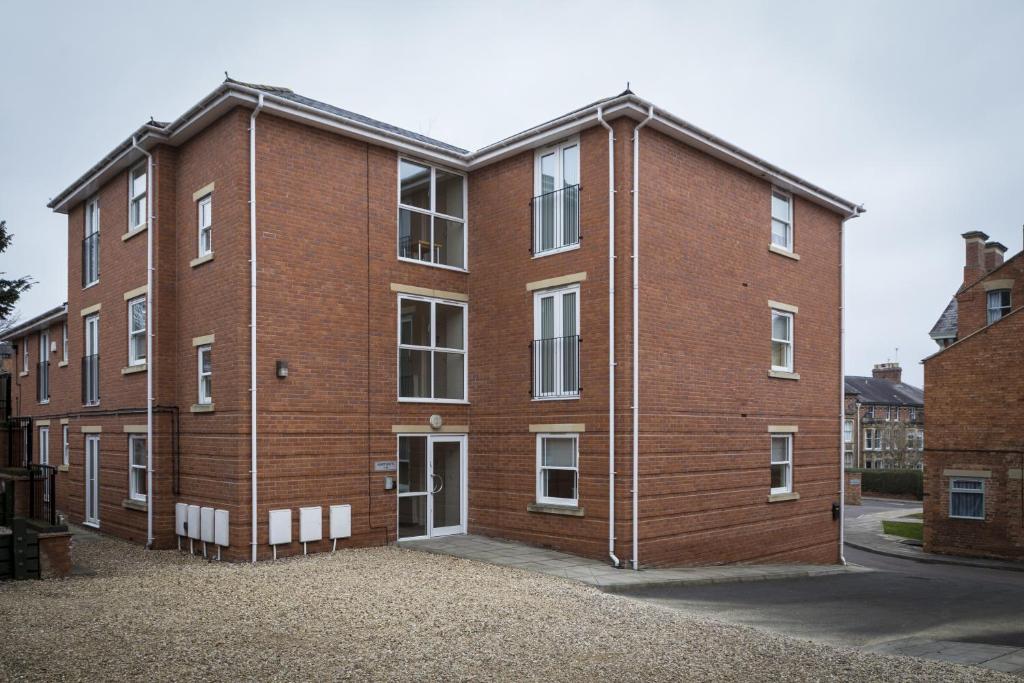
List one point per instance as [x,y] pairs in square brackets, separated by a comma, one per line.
[39,322]
[946,326]
[882,391]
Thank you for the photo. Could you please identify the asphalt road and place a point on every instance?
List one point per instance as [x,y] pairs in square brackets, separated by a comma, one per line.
[900,599]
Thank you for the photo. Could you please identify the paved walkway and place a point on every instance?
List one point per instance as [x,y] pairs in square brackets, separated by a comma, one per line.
[997,657]
[602,574]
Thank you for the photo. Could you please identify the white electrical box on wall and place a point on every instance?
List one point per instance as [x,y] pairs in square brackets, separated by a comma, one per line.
[206,524]
[311,524]
[193,521]
[180,517]
[341,521]
[221,528]
[280,527]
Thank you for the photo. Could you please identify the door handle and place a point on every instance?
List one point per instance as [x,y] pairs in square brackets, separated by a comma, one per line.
[440,486]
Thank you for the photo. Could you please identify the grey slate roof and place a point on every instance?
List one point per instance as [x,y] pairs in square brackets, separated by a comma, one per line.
[884,392]
[946,326]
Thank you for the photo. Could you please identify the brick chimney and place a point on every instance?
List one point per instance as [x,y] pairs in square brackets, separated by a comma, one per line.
[993,255]
[888,371]
[974,255]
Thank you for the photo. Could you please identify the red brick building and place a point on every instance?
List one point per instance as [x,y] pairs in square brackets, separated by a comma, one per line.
[974,490]
[884,425]
[344,313]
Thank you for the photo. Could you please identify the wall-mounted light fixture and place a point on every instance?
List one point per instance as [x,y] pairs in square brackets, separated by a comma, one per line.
[282,368]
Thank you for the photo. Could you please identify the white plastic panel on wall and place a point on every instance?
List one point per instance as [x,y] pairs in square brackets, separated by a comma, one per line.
[341,521]
[193,521]
[180,517]
[206,524]
[280,527]
[221,528]
[311,524]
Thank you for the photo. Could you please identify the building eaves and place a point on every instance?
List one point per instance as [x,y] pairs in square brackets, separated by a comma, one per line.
[39,322]
[883,392]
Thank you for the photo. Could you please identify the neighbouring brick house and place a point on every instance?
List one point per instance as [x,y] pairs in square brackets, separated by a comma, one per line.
[342,312]
[974,487]
[884,420]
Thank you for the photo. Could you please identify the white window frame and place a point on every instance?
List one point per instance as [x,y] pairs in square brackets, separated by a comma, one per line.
[791,342]
[132,358]
[548,500]
[204,396]
[64,343]
[954,489]
[92,344]
[788,486]
[92,227]
[44,445]
[847,431]
[91,478]
[24,355]
[788,246]
[205,201]
[911,414]
[66,445]
[558,150]
[141,196]
[893,414]
[133,489]
[871,439]
[995,313]
[432,213]
[44,354]
[433,348]
[558,294]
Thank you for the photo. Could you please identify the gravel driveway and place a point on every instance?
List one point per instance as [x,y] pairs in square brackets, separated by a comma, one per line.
[383,613]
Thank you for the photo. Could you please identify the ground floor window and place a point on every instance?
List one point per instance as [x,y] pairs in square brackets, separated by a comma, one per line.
[558,469]
[782,463]
[967,498]
[137,468]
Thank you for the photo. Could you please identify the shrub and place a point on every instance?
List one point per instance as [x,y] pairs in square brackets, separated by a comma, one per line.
[892,482]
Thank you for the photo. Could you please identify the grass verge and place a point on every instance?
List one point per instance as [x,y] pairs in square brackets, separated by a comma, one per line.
[904,529]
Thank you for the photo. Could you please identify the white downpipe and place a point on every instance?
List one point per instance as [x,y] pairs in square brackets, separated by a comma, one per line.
[252,317]
[636,334]
[611,339]
[150,360]
[842,392]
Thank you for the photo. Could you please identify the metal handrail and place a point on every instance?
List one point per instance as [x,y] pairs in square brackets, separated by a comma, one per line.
[556,367]
[555,219]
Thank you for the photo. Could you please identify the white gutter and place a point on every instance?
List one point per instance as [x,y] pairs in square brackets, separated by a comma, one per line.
[252,316]
[611,339]
[150,360]
[636,335]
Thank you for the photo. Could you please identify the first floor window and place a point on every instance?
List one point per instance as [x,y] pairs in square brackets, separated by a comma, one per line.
[998,304]
[64,343]
[848,431]
[137,331]
[24,354]
[782,341]
[205,375]
[44,445]
[558,469]
[431,349]
[894,413]
[66,457]
[556,361]
[137,468]
[782,221]
[967,498]
[205,209]
[782,463]
[870,439]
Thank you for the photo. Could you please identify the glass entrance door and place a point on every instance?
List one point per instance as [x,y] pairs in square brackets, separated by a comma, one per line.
[431,486]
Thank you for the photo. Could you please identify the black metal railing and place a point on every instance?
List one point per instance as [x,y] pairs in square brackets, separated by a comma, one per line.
[42,493]
[91,259]
[556,219]
[43,381]
[556,367]
[91,380]
[17,441]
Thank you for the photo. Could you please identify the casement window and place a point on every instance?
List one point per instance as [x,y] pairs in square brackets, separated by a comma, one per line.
[558,469]
[205,221]
[556,346]
[871,439]
[848,431]
[205,374]
[66,449]
[782,341]
[782,220]
[782,463]
[998,304]
[44,445]
[431,215]
[91,244]
[137,467]
[556,201]
[43,374]
[91,362]
[967,498]
[137,331]
[24,355]
[137,197]
[64,343]
[431,350]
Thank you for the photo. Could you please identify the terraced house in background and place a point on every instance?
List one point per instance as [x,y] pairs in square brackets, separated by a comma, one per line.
[884,424]
[613,334]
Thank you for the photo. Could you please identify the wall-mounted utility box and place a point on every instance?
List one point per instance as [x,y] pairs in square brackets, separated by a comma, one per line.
[280,527]
[180,518]
[311,524]
[221,528]
[193,521]
[206,524]
[341,521]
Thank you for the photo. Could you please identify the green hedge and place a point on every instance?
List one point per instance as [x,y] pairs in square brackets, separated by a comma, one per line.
[892,482]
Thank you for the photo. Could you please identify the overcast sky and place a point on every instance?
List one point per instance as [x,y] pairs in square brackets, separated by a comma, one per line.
[914,108]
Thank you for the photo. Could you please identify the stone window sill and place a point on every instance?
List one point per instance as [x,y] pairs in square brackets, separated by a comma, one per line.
[63,468]
[782,497]
[132,233]
[132,369]
[129,504]
[202,408]
[200,260]
[23,373]
[547,509]
[779,374]
[783,252]
[62,364]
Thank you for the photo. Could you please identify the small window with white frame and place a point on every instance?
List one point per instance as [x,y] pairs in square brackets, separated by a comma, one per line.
[782,463]
[66,446]
[782,341]
[24,355]
[137,331]
[998,304]
[205,374]
[894,414]
[967,498]
[44,445]
[64,343]
[848,431]
[137,206]
[556,201]
[871,439]
[91,244]
[431,215]
[558,469]
[431,350]
[137,467]
[782,220]
[205,219]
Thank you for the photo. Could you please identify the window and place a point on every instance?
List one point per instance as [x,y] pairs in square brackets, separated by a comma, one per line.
[205,376]
[91,244]
[91,362]
[782,463]
[66,451]
[137,197]
[556,362]
[870,412]
[137,331]
[998,304]
[967,498]
[893,414]
[44,445]
[782,221]
[64,343]
[848,431]
[205,209]
[912,414]
[556,202]
[782,341]
[24,355]
[431,215]
[558,469]
[43,375]
[431,350]
[137,467]
[871,439]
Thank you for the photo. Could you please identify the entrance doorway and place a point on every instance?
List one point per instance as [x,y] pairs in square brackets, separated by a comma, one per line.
[431,485]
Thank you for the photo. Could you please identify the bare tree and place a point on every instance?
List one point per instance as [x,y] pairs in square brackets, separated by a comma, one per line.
[10,290]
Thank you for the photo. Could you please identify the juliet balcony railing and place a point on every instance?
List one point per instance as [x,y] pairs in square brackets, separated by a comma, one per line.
[91,259]
[91,380]
[43,381]
[556,219]
[556,367]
